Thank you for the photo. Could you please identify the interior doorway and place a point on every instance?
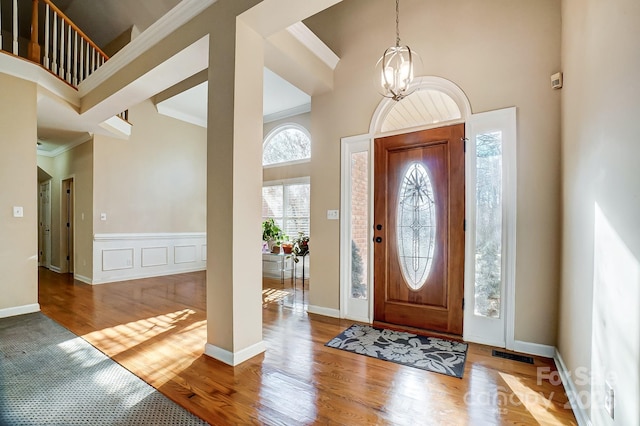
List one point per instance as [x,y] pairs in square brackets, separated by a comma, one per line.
[44,225]
[67,234]
[419,213]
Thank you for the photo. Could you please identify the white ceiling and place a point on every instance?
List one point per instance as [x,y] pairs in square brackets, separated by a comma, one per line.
[280,99]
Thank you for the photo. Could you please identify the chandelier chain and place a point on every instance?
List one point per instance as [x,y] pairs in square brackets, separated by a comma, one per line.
[397,23]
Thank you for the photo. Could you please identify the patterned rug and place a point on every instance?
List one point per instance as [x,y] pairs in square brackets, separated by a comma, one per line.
[427,353]
[50,376]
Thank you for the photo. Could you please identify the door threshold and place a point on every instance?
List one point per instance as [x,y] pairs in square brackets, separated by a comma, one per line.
[419,331]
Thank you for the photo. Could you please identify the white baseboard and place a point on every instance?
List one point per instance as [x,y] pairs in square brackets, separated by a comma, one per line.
[534,349]
[19,310]
[482,340]
[321,310]
[55,269]
[582,417]
[234,358]
[122,257]
[82,278]
[358,319]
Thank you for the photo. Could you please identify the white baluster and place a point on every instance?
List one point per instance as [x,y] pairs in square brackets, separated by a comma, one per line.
[45,60]
[75,59]
[61,70]
[81,62]
[88,69]
[54,65]
[69,64]
[93,59]
[15,27]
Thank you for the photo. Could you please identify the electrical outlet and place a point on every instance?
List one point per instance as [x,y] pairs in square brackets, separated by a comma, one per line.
[609,399]
[18,211]
[103,216]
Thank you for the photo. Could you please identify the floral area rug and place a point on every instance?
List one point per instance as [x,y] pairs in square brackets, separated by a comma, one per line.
[427,353]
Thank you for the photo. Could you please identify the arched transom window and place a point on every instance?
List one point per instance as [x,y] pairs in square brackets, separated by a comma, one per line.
[286,144]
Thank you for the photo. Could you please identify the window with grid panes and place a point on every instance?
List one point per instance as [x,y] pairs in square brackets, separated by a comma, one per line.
[288,203]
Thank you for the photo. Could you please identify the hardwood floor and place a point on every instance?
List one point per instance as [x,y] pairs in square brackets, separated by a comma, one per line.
[156,328]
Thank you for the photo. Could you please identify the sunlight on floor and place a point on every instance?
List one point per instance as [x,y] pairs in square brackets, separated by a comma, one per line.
[536,403]
[134,342]
[272,295]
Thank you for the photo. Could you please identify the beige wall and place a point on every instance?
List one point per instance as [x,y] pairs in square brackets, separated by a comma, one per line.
[153,182]
[76,164]
[599,323]
[18,187]
[501,53]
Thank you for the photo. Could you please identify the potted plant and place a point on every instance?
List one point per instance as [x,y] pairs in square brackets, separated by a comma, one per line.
[272,233]
[300,246]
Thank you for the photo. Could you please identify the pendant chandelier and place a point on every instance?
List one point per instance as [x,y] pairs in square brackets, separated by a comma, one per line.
[395,67]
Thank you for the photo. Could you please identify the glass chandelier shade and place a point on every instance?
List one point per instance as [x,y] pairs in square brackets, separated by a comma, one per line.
[396,67]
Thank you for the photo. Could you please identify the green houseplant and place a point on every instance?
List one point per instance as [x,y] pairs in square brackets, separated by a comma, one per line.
[272,233]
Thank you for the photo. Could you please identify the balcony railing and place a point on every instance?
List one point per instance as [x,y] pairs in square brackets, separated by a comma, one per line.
[56,43]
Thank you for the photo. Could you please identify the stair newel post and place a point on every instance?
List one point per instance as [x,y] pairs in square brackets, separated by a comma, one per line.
[34,47]
[15,27]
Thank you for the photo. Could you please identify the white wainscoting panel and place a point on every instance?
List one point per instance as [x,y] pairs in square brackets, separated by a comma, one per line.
[131,256]
[185,254]
[155,256]
[114,259]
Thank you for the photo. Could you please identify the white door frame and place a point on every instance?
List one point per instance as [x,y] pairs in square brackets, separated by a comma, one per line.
[46,236]
[354,143]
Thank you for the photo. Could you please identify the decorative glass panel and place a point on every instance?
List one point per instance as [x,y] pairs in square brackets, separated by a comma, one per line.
[416,226]
[488,279]
[359,224]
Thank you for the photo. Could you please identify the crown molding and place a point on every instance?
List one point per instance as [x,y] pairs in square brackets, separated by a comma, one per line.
[174,19]
[66,147]
[304,35]
[287,113]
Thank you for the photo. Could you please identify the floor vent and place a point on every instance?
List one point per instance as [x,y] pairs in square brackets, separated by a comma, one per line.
[513,357]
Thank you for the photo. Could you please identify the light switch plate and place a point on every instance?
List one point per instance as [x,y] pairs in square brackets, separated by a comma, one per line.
[18,211]
[333,214]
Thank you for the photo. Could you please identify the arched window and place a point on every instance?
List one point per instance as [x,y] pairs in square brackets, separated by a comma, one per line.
[286,144]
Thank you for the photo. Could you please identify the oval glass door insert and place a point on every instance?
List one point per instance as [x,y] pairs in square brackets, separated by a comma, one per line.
[416,226]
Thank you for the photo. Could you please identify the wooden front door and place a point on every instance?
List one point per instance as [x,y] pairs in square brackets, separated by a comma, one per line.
[419,229]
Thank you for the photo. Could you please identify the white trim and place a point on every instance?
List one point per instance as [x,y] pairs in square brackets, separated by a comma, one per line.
[281,128]
[148,236]
[290,181]
[19,310]
[163,109]
[291,112]
[182,13]
[492,331]
[121,257]
[308,39]
[351,308]
[424,83]
[234,358]
[82,278]
[534,349]
[321,310]
[141,276]
[582,416]
[55,269]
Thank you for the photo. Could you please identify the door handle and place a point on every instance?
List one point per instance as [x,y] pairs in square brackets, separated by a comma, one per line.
[378,240]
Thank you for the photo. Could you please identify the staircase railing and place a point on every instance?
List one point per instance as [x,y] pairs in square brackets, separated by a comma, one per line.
[63,48]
